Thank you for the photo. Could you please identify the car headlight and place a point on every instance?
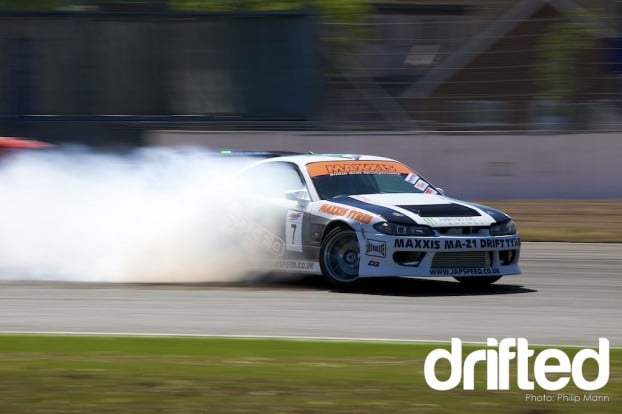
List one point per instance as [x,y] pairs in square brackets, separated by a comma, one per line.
[505,228]
[396,229]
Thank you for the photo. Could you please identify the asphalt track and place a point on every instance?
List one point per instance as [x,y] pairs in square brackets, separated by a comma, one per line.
[568,294]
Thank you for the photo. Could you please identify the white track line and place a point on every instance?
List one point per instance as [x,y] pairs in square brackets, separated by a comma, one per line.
[280,337]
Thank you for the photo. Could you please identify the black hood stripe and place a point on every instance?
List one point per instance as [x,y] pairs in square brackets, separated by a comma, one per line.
[386,213]
[394,216]
[442,210]
[497,215]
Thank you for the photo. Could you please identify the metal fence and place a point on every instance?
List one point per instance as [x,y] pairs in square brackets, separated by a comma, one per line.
[81,74]
[524,66]
[254,65]
[508,65]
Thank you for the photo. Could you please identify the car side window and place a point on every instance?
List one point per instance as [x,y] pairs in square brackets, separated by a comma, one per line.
[272,179]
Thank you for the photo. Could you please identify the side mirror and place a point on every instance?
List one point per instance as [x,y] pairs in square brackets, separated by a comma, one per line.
[301,196]
[440,191]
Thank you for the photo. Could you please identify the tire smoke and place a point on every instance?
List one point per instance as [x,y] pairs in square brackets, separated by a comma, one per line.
[148,216]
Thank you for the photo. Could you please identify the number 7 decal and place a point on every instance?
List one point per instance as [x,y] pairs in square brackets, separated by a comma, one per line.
[293,231]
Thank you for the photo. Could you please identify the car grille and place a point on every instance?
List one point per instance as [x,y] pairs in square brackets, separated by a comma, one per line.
[462,259]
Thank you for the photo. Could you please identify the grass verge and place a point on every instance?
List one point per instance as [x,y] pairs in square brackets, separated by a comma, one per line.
[77,374]
[565,220]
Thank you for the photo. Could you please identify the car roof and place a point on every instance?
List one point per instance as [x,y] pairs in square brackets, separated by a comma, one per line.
[253,153]
[303,159]
[297,157]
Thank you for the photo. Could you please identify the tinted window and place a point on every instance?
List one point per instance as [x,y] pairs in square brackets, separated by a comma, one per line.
[351,177]
[271,179]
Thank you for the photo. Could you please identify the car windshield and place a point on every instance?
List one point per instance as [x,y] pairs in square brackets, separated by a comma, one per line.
[350,177]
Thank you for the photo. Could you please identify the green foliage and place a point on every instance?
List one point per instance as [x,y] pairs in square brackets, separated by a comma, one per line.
[31,4]
[104,374]
[232,5]
[346,18]
[333,10]
[348,11]
[560,72]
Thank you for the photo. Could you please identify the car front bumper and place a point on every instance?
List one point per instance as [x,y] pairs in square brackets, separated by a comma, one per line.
[440,256]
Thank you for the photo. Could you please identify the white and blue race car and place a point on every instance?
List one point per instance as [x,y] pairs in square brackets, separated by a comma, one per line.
[350,217]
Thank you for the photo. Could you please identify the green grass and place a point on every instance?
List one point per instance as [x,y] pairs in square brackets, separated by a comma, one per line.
[565,220]
[84,374]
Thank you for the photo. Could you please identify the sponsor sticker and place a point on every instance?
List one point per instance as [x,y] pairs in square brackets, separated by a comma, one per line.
[464,271]
[346,167]
[335,210]
[453,244]
[265,239]
[375,248]
[254,232]
[456,244]
[293,230]
[459,221]
[427,244]
[421,185]
[412,178]
[294,265]
[500,243]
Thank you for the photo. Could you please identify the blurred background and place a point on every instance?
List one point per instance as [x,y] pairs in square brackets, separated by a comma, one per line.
[105,72]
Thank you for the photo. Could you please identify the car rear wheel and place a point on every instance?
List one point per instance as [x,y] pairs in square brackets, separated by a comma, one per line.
[477,281]
[340,257]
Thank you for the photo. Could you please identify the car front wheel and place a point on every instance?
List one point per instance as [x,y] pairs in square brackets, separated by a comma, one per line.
[340,257]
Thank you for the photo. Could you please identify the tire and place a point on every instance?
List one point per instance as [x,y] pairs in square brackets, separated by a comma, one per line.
[339,257]
[477,281]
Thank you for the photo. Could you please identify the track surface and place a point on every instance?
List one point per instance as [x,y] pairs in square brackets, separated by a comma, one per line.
[568,294]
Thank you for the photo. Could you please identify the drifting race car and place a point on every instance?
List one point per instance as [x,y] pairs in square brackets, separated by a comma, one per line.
[350,217]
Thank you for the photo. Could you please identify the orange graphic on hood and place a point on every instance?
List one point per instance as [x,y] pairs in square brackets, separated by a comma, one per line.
[356,167]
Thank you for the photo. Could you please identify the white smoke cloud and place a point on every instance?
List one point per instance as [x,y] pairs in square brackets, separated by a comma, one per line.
[149,216]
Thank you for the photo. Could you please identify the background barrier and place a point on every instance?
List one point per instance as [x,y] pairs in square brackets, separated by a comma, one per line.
[469,166]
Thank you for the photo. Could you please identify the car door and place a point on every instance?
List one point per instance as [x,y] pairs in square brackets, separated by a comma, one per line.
[272,221]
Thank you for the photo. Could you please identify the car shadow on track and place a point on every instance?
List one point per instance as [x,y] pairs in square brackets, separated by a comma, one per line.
[408,287]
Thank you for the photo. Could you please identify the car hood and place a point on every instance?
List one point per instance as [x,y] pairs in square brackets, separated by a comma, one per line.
[426,209]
